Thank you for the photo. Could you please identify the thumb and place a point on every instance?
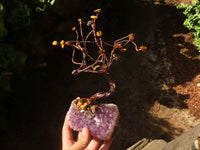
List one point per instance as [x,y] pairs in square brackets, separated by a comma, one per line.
[83,140]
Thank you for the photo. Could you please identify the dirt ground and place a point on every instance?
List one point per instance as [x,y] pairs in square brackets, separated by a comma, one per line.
[157,90]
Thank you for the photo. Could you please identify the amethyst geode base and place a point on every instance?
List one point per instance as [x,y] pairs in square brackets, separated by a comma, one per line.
[101,125]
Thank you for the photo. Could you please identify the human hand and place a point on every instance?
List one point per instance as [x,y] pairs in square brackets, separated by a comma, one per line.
[84,141]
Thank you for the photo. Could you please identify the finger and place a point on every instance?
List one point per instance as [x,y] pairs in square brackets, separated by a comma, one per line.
[106,145]
[83,140]
[67,136]
[94,144]
[79,136]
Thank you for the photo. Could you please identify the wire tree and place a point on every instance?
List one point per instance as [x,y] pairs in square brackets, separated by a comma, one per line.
[105,58]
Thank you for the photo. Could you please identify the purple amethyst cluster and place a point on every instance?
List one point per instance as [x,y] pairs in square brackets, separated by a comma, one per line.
[101,124]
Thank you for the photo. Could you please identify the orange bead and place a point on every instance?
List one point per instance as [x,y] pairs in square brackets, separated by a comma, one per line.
[79,20]
[118,45]
[74,28]
[54,43]
[131,37]
[143,48]
[104,67]
[101,51]
[99,33]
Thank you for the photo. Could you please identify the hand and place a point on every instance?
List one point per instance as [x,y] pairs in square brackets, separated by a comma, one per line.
[83,142]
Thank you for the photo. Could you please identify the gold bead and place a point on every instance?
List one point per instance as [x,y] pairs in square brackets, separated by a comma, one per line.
[95,67]
[79,20]
[89,23]
[97,10]
[123,50]
[54,43]
[131,37]
[118,45]
[74,28]
[99,33]
[104,67]
[62,44]
[143,48]
[101,51]
[93,17]
[68,43]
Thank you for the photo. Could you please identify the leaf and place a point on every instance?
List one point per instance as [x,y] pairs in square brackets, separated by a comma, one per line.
[3,30]
[192,21]
[197,27]
[1,8]
[38,9]
[52,2]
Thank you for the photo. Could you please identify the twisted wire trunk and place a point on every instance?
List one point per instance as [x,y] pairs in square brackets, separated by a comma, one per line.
[100,95]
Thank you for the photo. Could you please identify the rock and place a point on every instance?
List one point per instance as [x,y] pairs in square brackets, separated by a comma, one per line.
[185,141]
[155,145]
[148,144]
[140,144]
[101,124]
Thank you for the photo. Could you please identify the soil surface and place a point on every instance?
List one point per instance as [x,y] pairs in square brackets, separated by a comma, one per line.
[158,91]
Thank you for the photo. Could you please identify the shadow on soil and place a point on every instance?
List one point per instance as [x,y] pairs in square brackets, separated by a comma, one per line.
[139,78]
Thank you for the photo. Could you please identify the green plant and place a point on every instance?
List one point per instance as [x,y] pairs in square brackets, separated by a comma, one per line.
[192,21]
[45,5]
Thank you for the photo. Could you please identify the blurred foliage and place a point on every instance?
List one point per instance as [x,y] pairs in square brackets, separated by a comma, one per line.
[192,21]
[2,25]
[19,18]
[45,5]
[17,39]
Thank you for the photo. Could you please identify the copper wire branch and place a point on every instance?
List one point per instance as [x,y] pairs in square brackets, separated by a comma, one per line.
[104,60]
